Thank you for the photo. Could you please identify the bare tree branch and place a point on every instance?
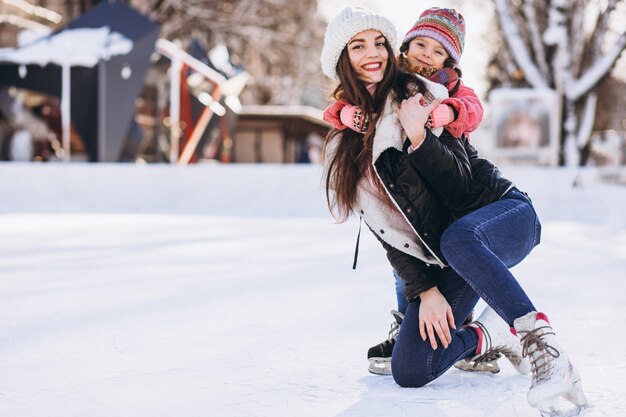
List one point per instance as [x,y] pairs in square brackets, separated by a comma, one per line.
[602,26]
[597,71]
[516,44]
[535,36]
[578,37]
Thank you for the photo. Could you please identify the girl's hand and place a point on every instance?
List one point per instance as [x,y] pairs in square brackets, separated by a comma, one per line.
[441,116]
[413,117]
[435,318]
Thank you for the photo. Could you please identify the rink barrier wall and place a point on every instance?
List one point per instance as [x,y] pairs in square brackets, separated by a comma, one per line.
[253,190]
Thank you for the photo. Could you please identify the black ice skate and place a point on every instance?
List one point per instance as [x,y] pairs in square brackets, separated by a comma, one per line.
[380,355]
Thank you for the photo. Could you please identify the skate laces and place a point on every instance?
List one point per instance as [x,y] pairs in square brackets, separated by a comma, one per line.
[496,353]
[489,356]
[541,353]
[394,328]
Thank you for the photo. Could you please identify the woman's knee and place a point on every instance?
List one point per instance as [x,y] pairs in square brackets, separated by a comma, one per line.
[456,238]
[407,376]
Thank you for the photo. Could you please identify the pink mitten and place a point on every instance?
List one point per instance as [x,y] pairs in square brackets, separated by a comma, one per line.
[352,116]
[440,116]
[332,114]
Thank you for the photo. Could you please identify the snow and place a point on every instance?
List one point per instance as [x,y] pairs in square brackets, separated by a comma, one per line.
[71,47]
[228,291]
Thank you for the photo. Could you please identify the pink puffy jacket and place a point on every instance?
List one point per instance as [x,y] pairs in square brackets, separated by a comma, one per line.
[469,109]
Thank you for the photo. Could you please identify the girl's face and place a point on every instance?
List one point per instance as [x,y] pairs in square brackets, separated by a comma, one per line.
[368,56]
[426,52]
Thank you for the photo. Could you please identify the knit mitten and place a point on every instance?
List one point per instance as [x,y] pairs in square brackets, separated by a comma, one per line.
[342,115]
[353,117]
[440,116]
[332,112]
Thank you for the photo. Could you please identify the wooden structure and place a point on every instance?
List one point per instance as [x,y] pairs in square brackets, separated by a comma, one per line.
[278,134]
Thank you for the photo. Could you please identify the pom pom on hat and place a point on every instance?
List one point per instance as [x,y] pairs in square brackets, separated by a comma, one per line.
[349,22]
[446,26]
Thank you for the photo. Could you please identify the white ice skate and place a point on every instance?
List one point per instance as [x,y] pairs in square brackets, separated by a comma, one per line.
[482,364]
[495,339]
[553,375]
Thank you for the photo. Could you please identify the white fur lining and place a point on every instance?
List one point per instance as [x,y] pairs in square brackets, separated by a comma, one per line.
[389,131]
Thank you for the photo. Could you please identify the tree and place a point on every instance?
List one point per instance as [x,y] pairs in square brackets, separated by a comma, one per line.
[277,41]
[569,46]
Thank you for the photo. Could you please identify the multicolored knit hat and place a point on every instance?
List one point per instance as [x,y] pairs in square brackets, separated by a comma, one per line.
[446,26]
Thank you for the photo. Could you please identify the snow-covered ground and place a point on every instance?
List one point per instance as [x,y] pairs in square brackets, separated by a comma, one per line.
[228,291]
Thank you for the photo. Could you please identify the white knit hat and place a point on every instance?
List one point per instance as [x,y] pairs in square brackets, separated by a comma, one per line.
[343,27]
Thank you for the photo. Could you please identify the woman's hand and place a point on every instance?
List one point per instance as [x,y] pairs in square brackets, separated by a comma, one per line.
[413,117]
[435,318]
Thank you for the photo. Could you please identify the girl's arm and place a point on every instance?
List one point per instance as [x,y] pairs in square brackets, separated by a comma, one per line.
[435,313]
[468,108]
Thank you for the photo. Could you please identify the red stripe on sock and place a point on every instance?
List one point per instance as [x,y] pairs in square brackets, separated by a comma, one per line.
[542,316]
[479,333]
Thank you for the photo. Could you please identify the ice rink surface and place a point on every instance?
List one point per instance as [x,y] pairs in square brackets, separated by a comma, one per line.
[209,314]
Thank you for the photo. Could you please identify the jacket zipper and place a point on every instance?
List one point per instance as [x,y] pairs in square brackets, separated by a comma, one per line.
[441,264]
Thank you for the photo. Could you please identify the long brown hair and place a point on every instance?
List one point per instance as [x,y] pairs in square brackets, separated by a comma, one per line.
[352,151]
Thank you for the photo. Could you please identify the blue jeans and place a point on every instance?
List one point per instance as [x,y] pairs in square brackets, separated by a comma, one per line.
[402,302]
[479,248]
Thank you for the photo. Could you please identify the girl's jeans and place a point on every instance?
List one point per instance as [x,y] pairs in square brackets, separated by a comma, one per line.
[480,248]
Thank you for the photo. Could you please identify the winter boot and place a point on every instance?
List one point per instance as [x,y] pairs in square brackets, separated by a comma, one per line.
[553,375]
[380,355]
[495,339]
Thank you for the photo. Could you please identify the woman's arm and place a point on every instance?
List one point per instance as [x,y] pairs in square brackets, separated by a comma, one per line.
[414,272]
[443,163]
[435,314]
[435,317]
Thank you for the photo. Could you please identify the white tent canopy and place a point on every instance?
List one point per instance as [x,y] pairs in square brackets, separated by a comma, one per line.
[83,47]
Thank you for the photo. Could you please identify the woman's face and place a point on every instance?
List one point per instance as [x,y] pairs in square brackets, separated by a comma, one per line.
[426,52]
[368,56]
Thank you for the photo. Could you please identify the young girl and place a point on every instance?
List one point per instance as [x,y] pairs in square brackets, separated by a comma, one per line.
[432,48]
[411,189]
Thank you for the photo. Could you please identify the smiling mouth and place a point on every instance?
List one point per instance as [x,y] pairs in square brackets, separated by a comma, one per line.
[373,66]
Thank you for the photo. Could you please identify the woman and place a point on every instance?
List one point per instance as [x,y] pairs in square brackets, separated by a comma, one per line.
[430,201]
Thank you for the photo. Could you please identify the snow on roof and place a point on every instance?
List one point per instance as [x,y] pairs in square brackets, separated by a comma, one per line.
[305,112]
[83,47]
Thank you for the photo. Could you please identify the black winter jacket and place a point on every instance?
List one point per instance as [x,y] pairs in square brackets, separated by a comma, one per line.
[441,181]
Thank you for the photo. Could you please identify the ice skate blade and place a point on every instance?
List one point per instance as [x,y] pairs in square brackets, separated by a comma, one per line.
[470,366]
[571,412]
[380,366]
[558,406]
[576,395]
[559,396]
